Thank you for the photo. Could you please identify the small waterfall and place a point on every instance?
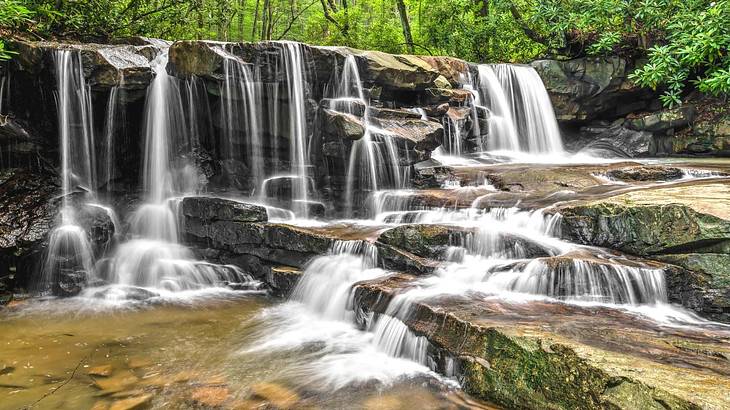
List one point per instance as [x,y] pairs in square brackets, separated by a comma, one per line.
[4,88]
[522,116]
[240,116]
[452,135]
[502,130]
[153,257]
[582,280]
[298,134]
[69,251]
[107,161]
[531,109]
[373,162]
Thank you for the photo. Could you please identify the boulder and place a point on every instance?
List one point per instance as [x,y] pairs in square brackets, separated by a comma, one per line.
[684,219]
[28,207]
[454,70]
[664,120]
[209,209]
[342,126]
[402,72]
[412,133]
[427,241]
[105,66]
[538,355]
[588,88]
[196,58]
[646,173]
[617,140]
[703,284]
[709,134]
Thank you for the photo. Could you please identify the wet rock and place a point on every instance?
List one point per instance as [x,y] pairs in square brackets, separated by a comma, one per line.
[427,241]
[275,394]
[646,173]
[549,355]
[126,293]
[97,223]
[118,383]
[587,88]
[131,403]
[283,280]
[349,105]
[617,140]
[342,126]
[104,65]
[210,396]
[104,370]
[664,120]
[396,71]
[391,114]
[20,148]
[208,209]
[195,58]
[392,258]
[703,285]
[685,219]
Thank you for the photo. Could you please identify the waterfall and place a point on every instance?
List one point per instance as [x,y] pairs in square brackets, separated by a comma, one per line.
[531,109]
[522,116]
[4,88]
[373,163]
[298,138]
[240,112]
[69,251]
[502,130]
[153,257]
[110,124]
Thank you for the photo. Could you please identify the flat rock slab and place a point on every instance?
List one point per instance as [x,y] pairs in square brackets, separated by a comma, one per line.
[552,355]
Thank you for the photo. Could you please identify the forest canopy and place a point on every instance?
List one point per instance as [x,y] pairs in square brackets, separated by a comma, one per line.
[683,43]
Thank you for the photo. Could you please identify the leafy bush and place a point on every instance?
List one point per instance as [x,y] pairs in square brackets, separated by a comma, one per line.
[13,15]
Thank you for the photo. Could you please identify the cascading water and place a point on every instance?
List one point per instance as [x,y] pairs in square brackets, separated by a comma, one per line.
[531,109]
[153,257]
[522,117]
[240,116]
[69,251]
[373,162]
[293,66]
[4,88]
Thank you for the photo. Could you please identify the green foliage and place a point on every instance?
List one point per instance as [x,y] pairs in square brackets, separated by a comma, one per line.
[13,15]
[696,48]
[684,42]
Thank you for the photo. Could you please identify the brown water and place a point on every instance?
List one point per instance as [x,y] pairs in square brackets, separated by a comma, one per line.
[69,355]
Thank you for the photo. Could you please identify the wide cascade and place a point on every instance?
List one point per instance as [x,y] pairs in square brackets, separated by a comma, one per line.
[340,228]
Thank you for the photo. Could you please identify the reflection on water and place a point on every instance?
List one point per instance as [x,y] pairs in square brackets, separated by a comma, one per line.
[64,354]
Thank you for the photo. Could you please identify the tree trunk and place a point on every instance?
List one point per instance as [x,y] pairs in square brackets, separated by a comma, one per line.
[255,19]
[403,12]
